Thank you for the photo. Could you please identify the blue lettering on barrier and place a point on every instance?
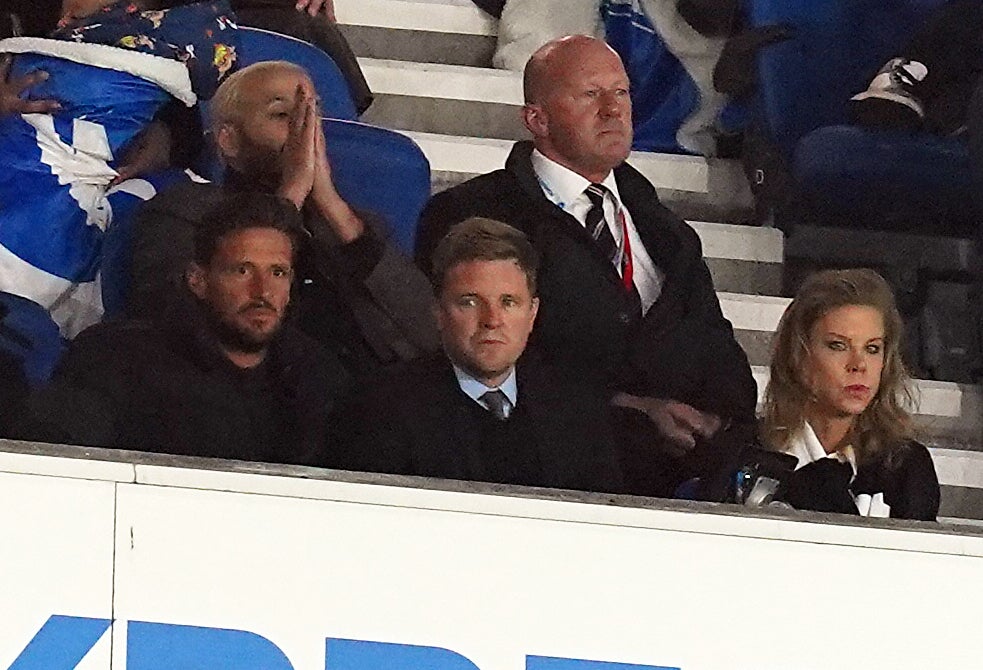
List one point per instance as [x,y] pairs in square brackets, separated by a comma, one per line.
[61,644]
[158,646]
[549,663]
[362,655]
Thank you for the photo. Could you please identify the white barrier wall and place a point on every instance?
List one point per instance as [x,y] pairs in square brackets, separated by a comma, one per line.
[214,569]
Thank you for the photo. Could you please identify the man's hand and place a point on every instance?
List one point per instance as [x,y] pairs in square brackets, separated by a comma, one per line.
[680,424]
[313,7]
[338,214]
[297,159]
[150,151]
[11,90]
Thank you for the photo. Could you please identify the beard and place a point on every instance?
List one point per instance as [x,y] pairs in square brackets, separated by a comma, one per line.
[233,337]
[259,164]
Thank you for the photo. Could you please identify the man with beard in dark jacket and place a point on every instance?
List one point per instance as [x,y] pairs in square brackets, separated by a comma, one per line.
[217,374]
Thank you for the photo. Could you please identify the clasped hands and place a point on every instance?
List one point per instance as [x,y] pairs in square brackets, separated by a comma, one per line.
[305,172]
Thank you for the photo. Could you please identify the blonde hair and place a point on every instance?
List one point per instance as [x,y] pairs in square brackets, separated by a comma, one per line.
[886,422]
[226,105]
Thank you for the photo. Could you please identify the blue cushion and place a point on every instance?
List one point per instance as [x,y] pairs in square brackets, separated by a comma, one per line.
[380,171]
[883,173]
[838,46]
[262,45]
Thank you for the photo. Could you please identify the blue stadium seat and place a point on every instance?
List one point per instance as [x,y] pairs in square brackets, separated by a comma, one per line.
[805,84]
[30,337]
[380,171]
[258,45]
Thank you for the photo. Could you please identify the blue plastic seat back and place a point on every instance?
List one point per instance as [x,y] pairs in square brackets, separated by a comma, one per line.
[31,338]
[807,81]
[380,171]
[257,45]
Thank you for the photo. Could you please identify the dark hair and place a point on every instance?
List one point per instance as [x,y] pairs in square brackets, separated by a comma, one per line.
[242,211]
[478,239]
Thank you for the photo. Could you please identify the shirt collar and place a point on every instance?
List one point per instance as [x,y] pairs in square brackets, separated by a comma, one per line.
[805,446]
[474,389]
[562,185]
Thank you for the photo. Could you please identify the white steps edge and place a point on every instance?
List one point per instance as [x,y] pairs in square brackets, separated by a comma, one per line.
[473,155]
[752,312]
[957,467]
[445,82]
[740,243]
[435,16]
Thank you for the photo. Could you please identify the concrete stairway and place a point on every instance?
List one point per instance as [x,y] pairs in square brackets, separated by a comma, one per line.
[427,61]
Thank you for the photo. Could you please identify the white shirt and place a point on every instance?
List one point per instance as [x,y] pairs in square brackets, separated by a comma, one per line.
[474,389]
[806,447]
[565,189]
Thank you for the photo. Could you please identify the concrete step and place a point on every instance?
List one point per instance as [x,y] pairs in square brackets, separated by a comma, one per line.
[742,259]
[449,99]
[695,187]
[452,32]
[961,477]
[843,247]
[755,319]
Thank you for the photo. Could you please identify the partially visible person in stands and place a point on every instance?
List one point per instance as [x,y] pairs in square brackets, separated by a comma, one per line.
[478,412]
[12,89]
[356,293]
[217,373]
[309,20]
[929,83]
[837,398]
[14,389]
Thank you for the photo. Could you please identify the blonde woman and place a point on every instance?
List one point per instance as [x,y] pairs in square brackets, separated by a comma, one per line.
[837,400]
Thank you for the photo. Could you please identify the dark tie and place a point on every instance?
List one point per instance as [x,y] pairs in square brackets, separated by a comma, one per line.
[495,401]
[597,225]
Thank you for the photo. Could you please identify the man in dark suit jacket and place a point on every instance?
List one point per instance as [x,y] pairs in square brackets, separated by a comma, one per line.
[478,413]
[627,300]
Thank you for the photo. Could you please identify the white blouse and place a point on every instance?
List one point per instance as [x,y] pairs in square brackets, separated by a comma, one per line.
[806,447]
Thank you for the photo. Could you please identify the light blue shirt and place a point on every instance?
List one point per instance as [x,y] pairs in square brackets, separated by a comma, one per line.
[474,389]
